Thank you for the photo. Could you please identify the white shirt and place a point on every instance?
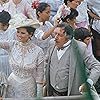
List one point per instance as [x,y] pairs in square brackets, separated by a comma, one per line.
[82,10]
[94,5]
[22,7]
[60,53]
[44,44]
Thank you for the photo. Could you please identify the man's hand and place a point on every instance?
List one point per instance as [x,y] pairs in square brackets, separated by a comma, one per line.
[57,22]
[83,88]
[44,83]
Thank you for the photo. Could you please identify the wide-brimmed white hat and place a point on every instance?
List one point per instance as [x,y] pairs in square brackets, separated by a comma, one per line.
[20,20]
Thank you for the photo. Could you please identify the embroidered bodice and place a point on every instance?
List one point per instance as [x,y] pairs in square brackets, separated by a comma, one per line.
[25,58]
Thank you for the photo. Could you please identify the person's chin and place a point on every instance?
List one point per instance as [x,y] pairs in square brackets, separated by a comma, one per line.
[57,44]
[4,30]
[19,40]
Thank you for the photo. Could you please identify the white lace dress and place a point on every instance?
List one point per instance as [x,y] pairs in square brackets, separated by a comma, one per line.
[26,61]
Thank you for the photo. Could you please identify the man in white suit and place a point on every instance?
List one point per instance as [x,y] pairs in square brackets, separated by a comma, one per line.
[65,70]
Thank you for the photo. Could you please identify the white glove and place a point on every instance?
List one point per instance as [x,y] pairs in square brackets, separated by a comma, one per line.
[39,90]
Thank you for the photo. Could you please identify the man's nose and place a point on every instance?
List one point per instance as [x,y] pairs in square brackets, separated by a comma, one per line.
[56,36]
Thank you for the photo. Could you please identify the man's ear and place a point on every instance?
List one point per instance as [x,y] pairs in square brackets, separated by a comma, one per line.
[68,2]
[39,13]
[68,20]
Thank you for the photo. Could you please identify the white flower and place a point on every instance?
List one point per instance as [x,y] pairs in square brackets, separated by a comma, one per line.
[65,11]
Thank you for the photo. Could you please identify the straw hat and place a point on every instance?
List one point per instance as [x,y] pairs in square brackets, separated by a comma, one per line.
[20,20]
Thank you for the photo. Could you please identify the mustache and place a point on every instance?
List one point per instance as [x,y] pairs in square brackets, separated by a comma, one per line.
[55,39]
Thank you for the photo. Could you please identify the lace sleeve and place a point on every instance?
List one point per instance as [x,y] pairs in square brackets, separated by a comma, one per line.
[40,67]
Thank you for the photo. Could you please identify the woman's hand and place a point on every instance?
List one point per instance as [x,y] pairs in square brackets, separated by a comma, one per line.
[57,22]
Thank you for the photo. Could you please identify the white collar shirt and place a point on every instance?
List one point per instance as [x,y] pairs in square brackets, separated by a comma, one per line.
[60,52]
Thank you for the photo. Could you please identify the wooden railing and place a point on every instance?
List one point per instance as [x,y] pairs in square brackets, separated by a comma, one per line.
[78,97]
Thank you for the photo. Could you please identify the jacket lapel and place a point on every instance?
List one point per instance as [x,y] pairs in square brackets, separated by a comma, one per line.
[73,62]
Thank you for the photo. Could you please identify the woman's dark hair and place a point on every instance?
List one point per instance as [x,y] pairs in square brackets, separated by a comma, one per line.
[42,6]
[30,30]
[73,15]
[65,1]
[81,33]
[4,17]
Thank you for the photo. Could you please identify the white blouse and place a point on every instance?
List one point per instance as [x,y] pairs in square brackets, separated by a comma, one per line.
[44,44]
[22,7]
[9,34]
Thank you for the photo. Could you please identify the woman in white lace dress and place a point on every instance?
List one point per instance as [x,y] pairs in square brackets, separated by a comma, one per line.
[26,61]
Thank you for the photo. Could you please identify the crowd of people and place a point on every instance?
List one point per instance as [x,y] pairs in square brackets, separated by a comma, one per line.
[49,48]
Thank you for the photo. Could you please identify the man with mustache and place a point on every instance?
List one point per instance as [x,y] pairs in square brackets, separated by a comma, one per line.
[65,70]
